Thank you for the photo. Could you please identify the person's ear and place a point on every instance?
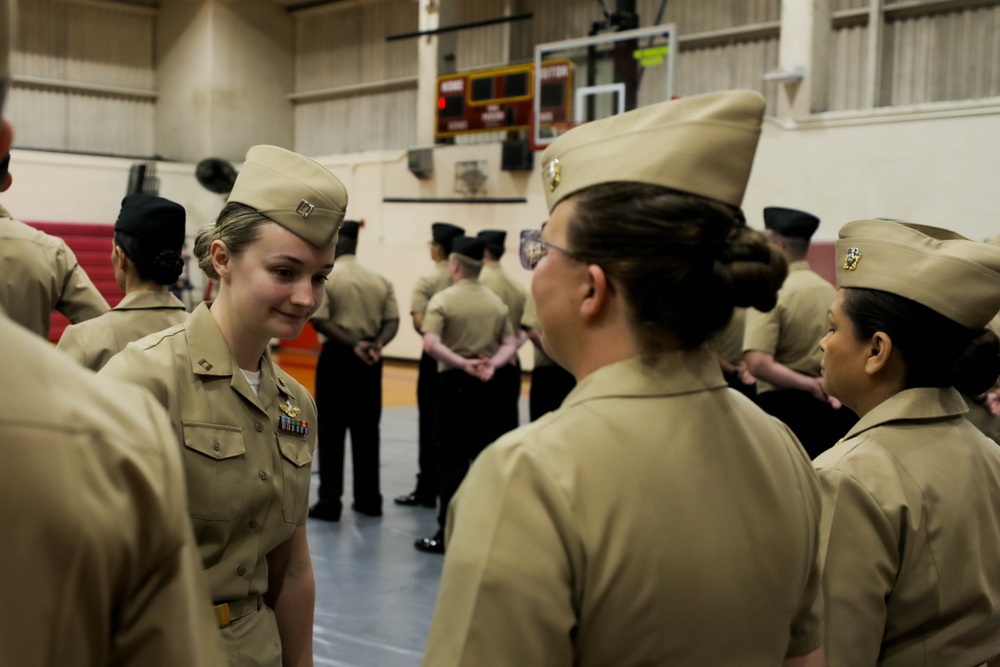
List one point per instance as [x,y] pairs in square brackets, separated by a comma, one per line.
[597,291]
[221,259]
[118,257]
[879,353]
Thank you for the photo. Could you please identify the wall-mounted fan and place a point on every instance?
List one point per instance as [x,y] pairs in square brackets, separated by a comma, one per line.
[216,175]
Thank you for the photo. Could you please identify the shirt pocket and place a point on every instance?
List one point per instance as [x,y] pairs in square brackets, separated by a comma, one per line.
[215,468]
[296,469]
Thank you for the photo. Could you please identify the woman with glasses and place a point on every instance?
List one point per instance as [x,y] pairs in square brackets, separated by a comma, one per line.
[657,517]
[247,428]
[911,495]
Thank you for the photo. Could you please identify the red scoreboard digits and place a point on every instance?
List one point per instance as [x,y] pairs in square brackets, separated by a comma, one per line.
[501,99]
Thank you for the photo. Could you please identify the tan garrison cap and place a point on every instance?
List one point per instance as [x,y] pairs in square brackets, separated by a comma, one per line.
[702,144]
[948,273]
[299,194]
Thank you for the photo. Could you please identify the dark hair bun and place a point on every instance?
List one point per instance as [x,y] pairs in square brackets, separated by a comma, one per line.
[976,370]
[757,268]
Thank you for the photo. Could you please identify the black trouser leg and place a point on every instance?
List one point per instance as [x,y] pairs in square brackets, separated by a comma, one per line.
[461,431]
[427,391]
[507,381]
[364,426]
[815,423]
[549,386]
[332,429]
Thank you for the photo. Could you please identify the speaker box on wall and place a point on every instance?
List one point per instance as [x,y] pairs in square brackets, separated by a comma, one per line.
[517,156]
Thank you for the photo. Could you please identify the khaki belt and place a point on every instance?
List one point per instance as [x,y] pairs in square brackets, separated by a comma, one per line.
[228,612]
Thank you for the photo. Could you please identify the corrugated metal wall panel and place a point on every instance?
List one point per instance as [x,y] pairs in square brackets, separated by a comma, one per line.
[347,46]
[374,121]
[78,43]
[109,47]
[480,47]
[738,65]
[941,57]
[849,53]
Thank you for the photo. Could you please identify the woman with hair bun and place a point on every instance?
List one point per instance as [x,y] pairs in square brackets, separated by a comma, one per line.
[248,429]
[657,517]
[911,495]
[146,257]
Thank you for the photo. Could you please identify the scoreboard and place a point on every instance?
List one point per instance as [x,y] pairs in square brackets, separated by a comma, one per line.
[501,99]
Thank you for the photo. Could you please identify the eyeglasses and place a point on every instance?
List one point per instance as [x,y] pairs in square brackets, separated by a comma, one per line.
[534,247]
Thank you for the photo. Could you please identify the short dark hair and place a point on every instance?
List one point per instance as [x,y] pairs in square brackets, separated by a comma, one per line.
[936,351]
[683,261]
[161,265]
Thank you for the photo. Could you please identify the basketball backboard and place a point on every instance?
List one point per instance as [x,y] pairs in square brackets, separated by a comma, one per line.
[584,79]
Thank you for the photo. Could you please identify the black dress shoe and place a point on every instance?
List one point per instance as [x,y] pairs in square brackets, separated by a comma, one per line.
[324,512]
[367,511]
[412,499]
[431,545]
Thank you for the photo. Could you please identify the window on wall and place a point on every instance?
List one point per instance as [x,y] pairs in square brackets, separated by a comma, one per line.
[886,53]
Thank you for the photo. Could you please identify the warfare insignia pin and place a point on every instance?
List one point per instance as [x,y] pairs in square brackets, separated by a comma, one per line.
[288,409]
[304,208]
[552,174]
[851,259]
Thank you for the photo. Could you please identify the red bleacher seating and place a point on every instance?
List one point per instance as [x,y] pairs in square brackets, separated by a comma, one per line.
[91,243]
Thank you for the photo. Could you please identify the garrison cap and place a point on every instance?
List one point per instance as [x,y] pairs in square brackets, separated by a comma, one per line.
[299,194]
[790,222]
[157,223]
[948,273]
[350,229]
[494,240]
[703,145]
[469,247]
[444,232]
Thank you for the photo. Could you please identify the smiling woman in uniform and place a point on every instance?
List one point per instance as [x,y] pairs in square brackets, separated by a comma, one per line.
[247,427]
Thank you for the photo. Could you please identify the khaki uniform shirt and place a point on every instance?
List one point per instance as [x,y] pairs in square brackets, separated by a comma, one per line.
[39,274]
[530,319]
[248,481]
[911,537]
[357,299]
[99,564]
[656,518]
[728,343]
[429,285]
[471,320]
[138,314]
[511,293]
[791,331]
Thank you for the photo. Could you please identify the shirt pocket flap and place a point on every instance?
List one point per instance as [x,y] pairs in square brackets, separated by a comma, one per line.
[295,449]
[214,440]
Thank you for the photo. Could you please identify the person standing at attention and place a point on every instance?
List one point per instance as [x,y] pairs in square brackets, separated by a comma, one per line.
[911,495]
[781,346]
[657,517]
[426,492]
[358,318]
[39,274]
[248,428]
[467,329]
[514,296]
[146,258]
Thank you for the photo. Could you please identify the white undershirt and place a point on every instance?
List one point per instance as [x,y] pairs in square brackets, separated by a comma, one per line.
[253,378]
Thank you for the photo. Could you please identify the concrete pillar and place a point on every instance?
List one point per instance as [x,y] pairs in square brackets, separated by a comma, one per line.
[224,72]
[805,36]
